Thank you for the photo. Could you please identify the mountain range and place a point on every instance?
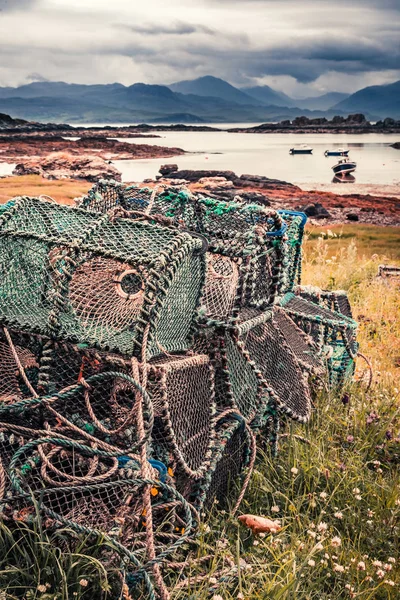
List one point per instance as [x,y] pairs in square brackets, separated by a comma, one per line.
[206,99]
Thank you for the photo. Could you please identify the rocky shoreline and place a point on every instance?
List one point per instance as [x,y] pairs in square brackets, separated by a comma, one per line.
[61,151]
[321,207]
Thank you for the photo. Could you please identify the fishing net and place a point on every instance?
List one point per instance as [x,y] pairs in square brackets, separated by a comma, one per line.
[146,338]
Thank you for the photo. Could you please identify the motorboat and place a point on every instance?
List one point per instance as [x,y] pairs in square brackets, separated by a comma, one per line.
[338,152]
[303,149]
[344,167]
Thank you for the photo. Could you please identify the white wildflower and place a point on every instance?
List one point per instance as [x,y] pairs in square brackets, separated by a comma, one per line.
[336,541]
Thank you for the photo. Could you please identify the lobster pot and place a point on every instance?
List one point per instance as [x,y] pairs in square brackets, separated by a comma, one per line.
[230,458]
[171,202]
[263,344]
[337,300]
[293,248]
[113,283]
[182,392]
[301,344]
[330,329]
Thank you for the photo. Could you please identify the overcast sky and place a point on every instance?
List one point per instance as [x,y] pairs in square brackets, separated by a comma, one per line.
[301,47]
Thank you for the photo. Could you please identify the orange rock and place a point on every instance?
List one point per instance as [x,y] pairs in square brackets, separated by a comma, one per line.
[260,524]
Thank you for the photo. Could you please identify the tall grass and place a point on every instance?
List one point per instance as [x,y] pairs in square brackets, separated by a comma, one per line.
[337,495]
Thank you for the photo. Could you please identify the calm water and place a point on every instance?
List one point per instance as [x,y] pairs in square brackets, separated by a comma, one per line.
[268,154]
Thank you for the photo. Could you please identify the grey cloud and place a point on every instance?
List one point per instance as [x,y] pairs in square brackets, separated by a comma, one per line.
[178,28]
[15,5]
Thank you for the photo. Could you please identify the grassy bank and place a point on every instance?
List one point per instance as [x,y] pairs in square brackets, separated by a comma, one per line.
[337,494]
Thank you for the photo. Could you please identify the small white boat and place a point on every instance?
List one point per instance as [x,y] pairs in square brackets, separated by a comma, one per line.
[303,149]
[344,167]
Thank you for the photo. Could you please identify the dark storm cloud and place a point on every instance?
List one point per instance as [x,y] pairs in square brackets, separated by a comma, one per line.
[178,28]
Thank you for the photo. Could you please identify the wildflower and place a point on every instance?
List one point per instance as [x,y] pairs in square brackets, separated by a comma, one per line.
[322,526]
[217,597]
[83,583]
[319,546]
[380,574]
[391,559]
[388,567]
[372,418]
[338,568]
[358,497]
[336,541]
[323,495]
[312,533]
[256,543]
[338,515]
[294,470]
[311,563]
[368,578]
[275,508]
[326,555]
[388,435]
[41,588]
[350,439]
[376,563]
[356,490]
[397,502]
[213,580]
[370,522]
[390,582]
[240,596]
[370,512]
[361,565]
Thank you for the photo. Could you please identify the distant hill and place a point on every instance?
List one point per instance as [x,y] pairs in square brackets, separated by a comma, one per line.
[381,100]
[324,102]
[213,87]
[266,95]
[203,100]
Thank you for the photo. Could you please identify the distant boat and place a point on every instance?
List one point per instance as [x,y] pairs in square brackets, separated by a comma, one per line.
[344,167]
[303,149]
[338,152]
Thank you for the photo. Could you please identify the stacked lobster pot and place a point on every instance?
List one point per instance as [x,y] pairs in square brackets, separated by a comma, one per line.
[263,358]
[97,313]
[146,338]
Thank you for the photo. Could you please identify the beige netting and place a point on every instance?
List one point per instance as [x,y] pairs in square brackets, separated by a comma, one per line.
[107,293]
[222,278]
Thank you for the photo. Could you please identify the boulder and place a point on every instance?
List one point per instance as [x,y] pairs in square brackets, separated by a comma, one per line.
[62,165]
[316,210]
[352,216]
